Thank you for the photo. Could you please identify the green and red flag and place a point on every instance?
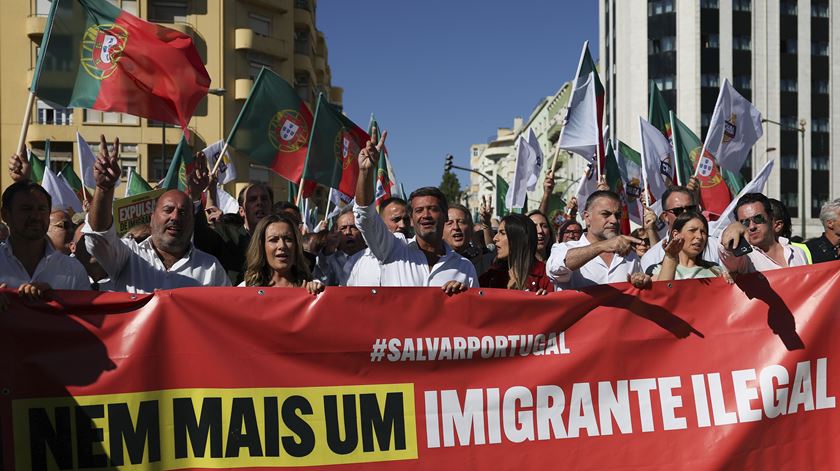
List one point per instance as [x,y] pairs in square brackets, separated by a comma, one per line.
[37,166]
[274,127]
[714,194]
[136,184]
[501,193]
[73,180]
[383,183]
[183,163]
[94,55]
[616,183]
[332,159]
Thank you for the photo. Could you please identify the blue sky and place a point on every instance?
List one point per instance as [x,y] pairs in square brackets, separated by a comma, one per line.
[442,75]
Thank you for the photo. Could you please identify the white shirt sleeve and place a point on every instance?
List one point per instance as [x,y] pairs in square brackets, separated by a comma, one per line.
[555,267]
[108,249]
[376,234]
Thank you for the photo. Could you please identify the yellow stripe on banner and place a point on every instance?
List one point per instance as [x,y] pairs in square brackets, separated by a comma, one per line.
[217,428]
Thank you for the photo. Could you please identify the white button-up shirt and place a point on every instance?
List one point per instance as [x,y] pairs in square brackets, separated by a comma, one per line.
[594,272]
[335,269]
[55,269]
[136,268]
[757,260]
[367,271]
[656,253]
[405,264]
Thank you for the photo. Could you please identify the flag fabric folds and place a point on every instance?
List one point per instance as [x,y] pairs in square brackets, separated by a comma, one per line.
[756,185]
[615,181]
[274,127]
[714,194]
[733,130]
[36,167]
[502,189]
[183,163]
[656,159]
[135,184]
[526,164]
[226,202]
[536,164]
[588,185]
[69,175]
[332,159]
[86,160]
[94,55]
[227,171]
[630,164]
[581,133]
[63,197]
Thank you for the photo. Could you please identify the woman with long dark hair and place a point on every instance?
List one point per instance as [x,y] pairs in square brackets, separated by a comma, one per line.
[545,234]
[517,266]
[684,251]
[275,256]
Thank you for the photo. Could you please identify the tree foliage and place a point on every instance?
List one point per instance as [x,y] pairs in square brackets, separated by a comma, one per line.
[451,187]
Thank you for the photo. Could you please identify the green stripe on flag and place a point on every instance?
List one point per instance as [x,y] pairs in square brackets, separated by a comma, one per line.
[501,193]
[181,165]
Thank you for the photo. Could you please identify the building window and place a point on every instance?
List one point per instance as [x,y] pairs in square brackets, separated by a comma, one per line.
[790,122]
[710,41]
[820,86]
[665,83]
[660,6]
[109,117]
[819,10]
[819,162]
[260,24]
[787,7]
[741,43]
[303,4]
[819,125]
[303,87]
[49,115]
[819,48]
[42,7]
[788,46]
[741,5]
[705,119]
[790,162]
[167,11]
[663,44]
[709,80]
[788,85]
[743,82]
[709,4]
[256,61]
[302,43]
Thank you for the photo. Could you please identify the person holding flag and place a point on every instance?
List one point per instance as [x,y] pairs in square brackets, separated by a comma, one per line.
[426,261]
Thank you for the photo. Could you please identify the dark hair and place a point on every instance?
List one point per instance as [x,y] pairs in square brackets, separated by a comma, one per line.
[388,202]
[522,246]
[465,210]
[232,219]
[561,230]
[682,220]
[601,194]
[751,198]
[551,237]
[780,213]
[240,198]
[676,189]
[22,186]
[283,207]
[431,191]
[639,233]
[257,271]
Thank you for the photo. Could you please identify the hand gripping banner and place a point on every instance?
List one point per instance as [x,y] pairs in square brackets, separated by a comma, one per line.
[689,374]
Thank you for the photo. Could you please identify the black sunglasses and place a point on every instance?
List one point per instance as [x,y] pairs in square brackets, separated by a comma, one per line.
[757,219]
[677,211]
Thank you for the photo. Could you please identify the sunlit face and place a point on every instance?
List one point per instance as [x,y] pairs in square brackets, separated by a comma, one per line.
[427,218]
[396,218]
[172,222]
[758,224]
[28,216]
[572,232]
[256,205]
[60,231]
[695,236]
[603,218]
[457,231]
[675,203]
[351,240]
[501,241]
[542,231]
[280,247]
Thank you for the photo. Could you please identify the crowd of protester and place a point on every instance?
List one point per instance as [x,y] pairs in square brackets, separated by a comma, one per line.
[422,241]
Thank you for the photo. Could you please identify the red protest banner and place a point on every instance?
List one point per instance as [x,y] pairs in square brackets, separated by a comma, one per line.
[690,374]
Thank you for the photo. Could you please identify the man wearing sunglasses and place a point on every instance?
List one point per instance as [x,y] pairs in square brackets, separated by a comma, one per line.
[675,201]
[755,223]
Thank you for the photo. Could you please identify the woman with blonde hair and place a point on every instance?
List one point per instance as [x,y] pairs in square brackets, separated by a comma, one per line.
[275,256]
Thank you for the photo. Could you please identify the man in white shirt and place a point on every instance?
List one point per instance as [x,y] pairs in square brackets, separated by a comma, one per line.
[428,260]
[167,259]
[755,223]
[367,270]
[675,201]
[334,269]
[28,261]
[602,255]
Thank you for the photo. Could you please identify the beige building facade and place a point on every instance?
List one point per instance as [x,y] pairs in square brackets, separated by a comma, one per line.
[235,38]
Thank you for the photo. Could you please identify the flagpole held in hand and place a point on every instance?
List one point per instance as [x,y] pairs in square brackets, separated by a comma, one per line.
[219,160]
[24,127]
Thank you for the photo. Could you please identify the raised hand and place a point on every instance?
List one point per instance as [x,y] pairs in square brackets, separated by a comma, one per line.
[602,184]
[693,183]
[199,178]
[486,212]
[674,247]
[548,184]
[622,245]
[732,235]
[369,156]
[649,221]
[106,169]
[19,168]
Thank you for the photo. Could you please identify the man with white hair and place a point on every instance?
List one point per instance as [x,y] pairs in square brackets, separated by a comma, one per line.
[826,248]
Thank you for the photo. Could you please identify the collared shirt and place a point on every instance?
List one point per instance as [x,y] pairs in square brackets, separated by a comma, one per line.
[55,269]
[594,272]
[335,269]
[822,250]
[367,271]
[656,253]
[137,268]
[405,264]
[757,260]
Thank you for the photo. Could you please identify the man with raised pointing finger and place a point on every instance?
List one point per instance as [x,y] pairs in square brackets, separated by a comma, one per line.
[165,260]
[425,261]
[602,255]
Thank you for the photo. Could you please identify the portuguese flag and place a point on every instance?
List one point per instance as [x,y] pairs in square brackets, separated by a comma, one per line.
[73,180]
[714,194]
[273,127]
[332,159]
[383,175]
[183,163]
[136,184]
[94,55]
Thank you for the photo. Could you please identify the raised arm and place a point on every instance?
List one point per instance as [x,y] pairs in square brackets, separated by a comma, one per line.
[580,256]
[486,213]
[548,189]
[106,172]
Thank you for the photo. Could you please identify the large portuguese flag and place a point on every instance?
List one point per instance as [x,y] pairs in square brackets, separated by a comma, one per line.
[333,154]
[714,194]
[273,127]
[95,55]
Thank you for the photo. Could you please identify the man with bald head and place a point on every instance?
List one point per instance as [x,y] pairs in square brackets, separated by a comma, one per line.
[167,259]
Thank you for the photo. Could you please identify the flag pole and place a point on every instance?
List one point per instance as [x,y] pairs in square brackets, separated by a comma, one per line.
[329,200]
[24,127]
[221,157]
[644,169]
[674,147]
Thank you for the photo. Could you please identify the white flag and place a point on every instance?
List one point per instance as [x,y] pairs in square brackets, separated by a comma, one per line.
[525,158]
[538,159]
[756,185]
[63,197]
[227,171]
[580,133]
[588,185]
[733,130]
[227,203]
[656,159]
[86,160]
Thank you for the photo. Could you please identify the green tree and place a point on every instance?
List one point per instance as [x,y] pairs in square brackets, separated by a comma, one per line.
[451,187]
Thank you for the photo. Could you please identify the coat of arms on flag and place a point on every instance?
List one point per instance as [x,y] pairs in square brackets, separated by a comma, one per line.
[729,128]
[346,148]
[288,131]
[102,47]
[706,166]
